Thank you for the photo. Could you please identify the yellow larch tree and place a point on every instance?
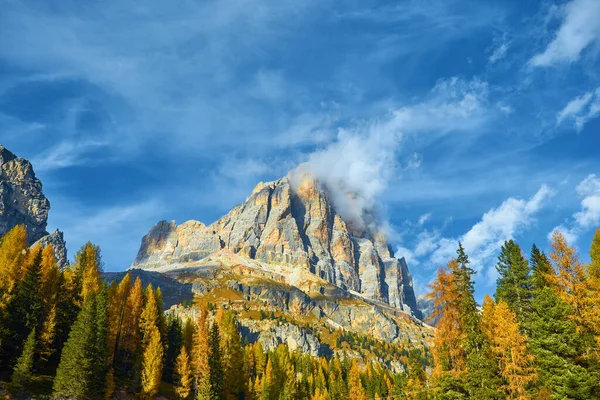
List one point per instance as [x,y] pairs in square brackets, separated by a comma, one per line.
[129,335]
[571,279]
[13,252]
[593,309]
[183,374]
[89,267]
[152,363]
[200,347]
[449,359]
[509,347]
[355,386]
[116,313]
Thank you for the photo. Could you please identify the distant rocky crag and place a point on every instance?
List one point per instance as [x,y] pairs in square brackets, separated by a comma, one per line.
[22,202]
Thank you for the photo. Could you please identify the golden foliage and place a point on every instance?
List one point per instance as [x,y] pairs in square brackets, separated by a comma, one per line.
[183,374]
[152,363]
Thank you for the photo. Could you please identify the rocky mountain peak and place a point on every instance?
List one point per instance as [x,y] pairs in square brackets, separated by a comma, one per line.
[22,202]
[289,223]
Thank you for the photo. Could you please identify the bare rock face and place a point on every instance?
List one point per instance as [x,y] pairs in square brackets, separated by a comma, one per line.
[21,197]
[23,203]
[289,222]
[57,241]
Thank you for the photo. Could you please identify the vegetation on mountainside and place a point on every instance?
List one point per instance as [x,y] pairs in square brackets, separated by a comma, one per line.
[67,334]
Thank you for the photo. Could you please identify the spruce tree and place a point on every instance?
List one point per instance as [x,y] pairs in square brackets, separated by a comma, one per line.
[235,376]
[74,376]
[482,375]
[513,285]
[215,363]
[557,347]
[21,377]
[175,343]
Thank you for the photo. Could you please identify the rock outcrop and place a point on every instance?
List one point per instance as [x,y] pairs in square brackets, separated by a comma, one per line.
[22,202]
[290,222]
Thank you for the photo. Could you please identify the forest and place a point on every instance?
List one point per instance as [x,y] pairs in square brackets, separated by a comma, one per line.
[69,334]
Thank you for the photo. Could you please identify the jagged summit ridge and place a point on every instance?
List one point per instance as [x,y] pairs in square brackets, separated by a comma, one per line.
[289,222]
[22,202]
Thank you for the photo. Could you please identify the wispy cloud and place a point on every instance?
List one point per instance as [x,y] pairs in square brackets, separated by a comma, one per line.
[581,109]
[588,190]
[499,49]
[484,239]
[579,29]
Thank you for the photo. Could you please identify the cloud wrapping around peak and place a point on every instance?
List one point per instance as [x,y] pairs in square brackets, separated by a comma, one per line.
[579,29]
[355,170]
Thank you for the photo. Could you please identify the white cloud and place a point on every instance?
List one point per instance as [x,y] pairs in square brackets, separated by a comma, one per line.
[357,167]
[66,154]
[500,48]
[487,236]
[424,218]
[579,29]
[589,215]
[589,190]
[581,109]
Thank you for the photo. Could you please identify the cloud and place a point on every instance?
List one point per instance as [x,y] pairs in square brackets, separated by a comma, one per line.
[483,240]
[357,166]
[579,29]
[581,109]
[500,48]
[424,218]
[66,154]
[589,215]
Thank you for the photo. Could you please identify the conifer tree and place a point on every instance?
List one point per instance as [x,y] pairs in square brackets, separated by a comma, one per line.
[593,284]
[215,363]
[183,374]
[21,377]
[12,259]
[88,267]
[129,336]
[235,376]
[542,273]
[152,362]
[356,388]
[201,350]
[513,285]
[149,316]
[76,368]
[174,338]
[28,299]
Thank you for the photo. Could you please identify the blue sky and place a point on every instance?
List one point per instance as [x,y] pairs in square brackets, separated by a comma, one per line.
[457,120]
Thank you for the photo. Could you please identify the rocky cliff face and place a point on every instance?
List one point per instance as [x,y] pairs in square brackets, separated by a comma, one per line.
[290,223]
[23,203]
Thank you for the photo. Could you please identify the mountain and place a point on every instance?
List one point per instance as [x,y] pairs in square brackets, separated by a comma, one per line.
[22,202]
[287,252]
[291,225]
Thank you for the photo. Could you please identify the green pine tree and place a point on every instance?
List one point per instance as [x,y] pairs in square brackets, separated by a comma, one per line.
[79,360]
[541,269]
[235,376]
[482,377]
[215,364]
[21,377]
[557,347]
[513,285]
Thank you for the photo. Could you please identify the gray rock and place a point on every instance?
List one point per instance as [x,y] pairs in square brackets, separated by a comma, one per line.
[21,197]
[22,202]
[288,222]
[58,243]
